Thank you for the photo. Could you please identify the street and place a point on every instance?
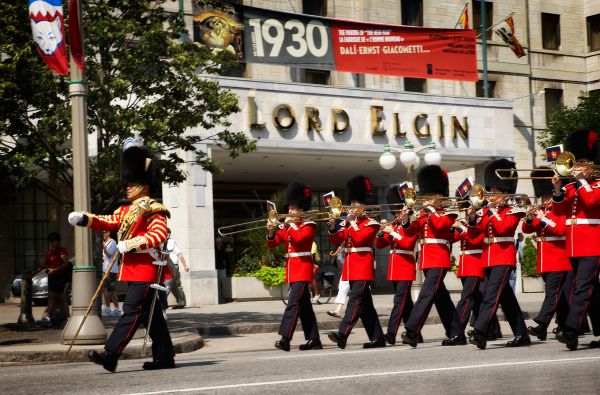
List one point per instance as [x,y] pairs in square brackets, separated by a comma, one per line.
[249,364]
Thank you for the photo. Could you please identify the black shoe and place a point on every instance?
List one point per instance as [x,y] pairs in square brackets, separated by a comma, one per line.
[378,343]
[470,332]
[283,344]
[595,344]
[459,340]
[419,338]
[338,339]
[155,365]
[107,359]
[410,339]
[491,336]
[519,341]
[557,329]
[390,339]
[477,338]
[311,345]
[569,338]
[538,331]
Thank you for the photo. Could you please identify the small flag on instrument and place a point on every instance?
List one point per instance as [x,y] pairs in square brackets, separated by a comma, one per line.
[553,152]
[271,206]
[327,198]
[465,187]
[403,187]
[506,30]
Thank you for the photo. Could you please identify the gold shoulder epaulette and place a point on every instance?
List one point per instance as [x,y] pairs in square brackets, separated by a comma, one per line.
[156,207]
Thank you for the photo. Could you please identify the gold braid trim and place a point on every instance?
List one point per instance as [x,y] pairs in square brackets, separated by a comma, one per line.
[143,206]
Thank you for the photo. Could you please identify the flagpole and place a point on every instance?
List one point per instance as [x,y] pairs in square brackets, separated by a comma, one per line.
[461,14]
[484,49]
[497,23]
[84,271]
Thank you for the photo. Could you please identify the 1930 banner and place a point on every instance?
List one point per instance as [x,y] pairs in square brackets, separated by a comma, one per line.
[356,47]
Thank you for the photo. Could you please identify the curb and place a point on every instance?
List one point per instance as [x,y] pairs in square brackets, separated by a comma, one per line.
[185,343]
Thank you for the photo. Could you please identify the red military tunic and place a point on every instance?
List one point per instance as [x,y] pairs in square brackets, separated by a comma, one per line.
[402,242]
[143,225]
[581,206]
[471,248]
[298,237]
[498,228]
[357,238]
[550,232]
[435,238]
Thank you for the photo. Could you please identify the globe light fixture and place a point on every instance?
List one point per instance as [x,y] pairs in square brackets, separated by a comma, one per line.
[409,157]
[433,158]
[387,160]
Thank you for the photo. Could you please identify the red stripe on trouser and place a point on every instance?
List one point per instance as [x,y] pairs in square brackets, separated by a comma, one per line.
[424,318]
[583,313]
[556,299]
[397,323]
[295,320]
[500,290]
[571,292]
[475,284]
[133,325]
[354,312]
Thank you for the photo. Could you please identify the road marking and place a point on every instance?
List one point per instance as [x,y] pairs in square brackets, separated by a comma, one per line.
[354,376]
[327,354]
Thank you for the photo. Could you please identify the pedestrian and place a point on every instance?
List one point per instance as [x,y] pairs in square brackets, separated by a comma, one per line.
[343,286]
[434,224]
[519,244]
[172,277]
[316,290]
[498,222]
[58,269]
[142,228]
[297,235]
[109,289]
[357,234]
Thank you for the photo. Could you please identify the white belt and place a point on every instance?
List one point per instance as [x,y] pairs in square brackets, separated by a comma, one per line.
[434,241]
[297,254]
[583,221]
[405,252]
[358,249]
[551,238]
[471,252]
[492,240]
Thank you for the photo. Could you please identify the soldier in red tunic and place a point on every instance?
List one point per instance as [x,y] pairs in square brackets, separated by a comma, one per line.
[401,237]
[552,261]
[498,222]
[142,227]
[357,234]
[297,234]
[580,203]
[434,259]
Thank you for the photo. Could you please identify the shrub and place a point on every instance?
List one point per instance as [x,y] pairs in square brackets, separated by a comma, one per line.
[271,276]
[529,259]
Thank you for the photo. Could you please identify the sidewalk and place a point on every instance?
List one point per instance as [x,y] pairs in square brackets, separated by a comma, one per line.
[189,325]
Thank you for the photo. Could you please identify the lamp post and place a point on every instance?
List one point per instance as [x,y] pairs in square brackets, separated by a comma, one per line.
[408,157]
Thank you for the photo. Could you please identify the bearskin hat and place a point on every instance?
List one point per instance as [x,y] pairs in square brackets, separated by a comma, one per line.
[491,180]
[359,189]
[393,196]
[298,195]
[541,187]
[583,143]
[433,180]
[139,165]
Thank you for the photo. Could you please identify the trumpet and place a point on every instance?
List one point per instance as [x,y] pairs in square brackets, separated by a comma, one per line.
[477,195]
[565,165]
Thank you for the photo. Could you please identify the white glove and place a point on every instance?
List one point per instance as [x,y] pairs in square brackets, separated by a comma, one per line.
[122,246]
[75,218]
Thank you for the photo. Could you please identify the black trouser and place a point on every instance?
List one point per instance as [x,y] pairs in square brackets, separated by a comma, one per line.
[494,326]
[136,311]
[594,310]
[299,306]
[498,291]
[562,311]
[585,270]
[434,292]
[553,283]
[403,306]
[360,305]
[470,299]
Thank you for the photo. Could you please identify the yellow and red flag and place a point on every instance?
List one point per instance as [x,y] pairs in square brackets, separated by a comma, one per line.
[463,21]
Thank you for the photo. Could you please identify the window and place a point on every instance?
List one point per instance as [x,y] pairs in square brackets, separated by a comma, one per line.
[489,17]
[310,76]
[235,71]
[412,12]
[31,228]
[550,31]
[491,89]
[554,100]
[359,80]
[593,32]
[314,7]
[414,84]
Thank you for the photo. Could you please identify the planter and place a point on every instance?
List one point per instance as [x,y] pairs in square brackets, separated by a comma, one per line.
[247,288]
[452,282]
[533,284]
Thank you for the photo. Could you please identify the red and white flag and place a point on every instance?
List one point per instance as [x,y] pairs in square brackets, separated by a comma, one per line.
[47,26]
[506,30]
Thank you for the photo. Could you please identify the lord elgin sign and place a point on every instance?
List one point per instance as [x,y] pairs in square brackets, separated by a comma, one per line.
[284,118]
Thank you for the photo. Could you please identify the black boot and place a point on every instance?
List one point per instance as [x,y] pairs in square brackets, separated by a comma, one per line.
[375,343]
[568,337]
[338,339]
[538,331]
[390,339]
[311,345]
[477,338]
[283,344]
[409,338]
[519,341]
[155,365]
[459,340]
[107,359]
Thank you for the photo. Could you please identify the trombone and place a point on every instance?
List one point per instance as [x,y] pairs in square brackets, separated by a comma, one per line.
[477,195]
[411,199]
[272,219]
[565,165]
